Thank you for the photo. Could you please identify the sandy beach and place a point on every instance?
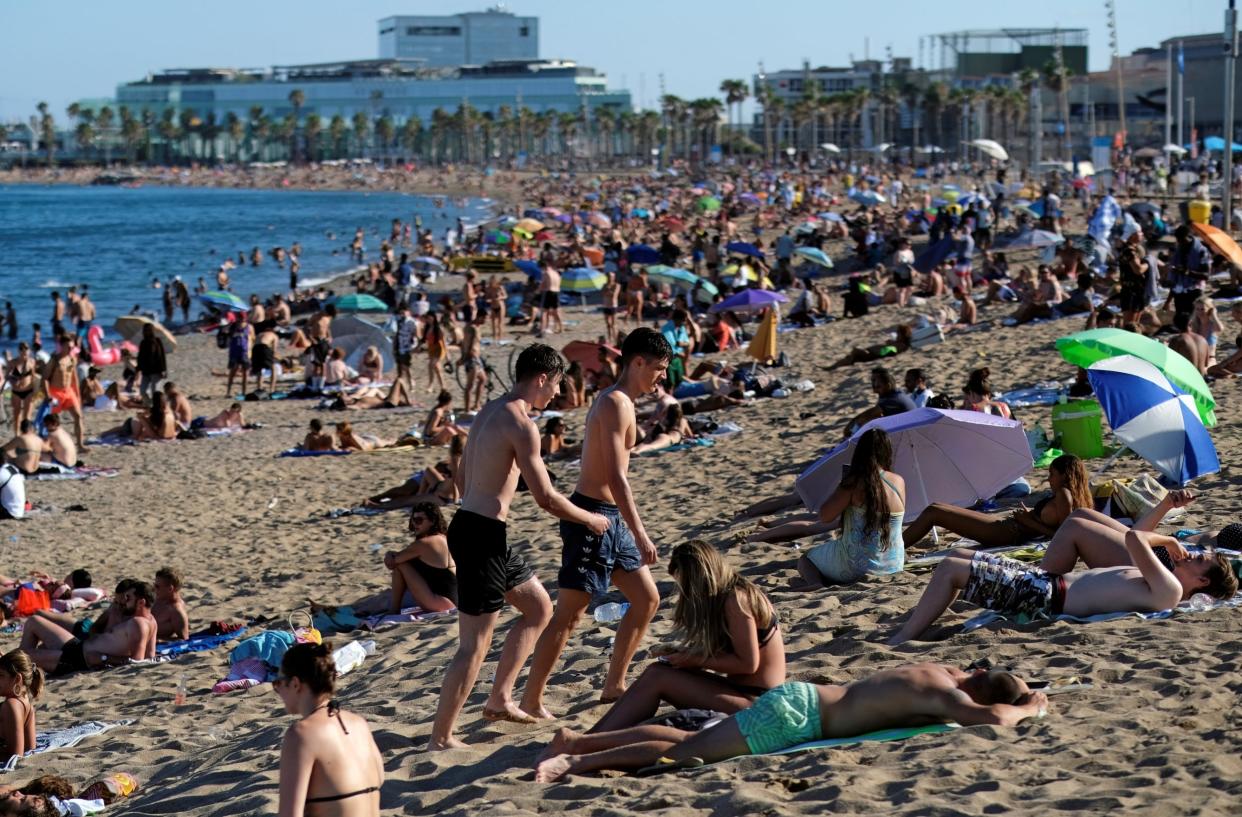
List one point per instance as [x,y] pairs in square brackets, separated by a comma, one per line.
[249,533]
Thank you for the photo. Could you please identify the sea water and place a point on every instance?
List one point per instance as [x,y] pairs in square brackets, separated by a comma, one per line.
[118,240]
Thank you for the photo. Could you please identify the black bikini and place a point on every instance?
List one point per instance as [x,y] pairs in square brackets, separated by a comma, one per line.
[334,709]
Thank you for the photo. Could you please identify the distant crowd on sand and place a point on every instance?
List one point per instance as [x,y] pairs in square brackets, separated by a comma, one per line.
[667,254]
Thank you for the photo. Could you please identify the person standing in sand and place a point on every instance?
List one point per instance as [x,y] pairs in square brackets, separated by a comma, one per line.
[503,444]
[550,299]
[61,383]
[591,561]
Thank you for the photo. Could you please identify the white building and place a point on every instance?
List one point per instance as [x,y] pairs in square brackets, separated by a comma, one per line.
[473,38]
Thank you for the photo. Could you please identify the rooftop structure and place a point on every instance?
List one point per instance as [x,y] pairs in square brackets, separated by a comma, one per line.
[473,38]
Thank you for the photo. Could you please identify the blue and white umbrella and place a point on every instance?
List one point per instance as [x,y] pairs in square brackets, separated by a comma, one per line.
[814,256]
[867,198]
[1154,418]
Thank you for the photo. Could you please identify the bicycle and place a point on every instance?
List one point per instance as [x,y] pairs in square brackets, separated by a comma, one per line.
[494,378]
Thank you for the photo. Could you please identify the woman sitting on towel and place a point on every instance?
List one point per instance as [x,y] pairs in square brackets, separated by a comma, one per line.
[729,648]
[1067,479]
[328,756]
[20,684]
[371,369]
[871,501]
[424,570]
[977,395]
[157,424]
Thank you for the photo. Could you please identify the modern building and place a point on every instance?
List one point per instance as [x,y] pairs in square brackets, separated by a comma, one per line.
[473,38]
[393,88]
[974,58]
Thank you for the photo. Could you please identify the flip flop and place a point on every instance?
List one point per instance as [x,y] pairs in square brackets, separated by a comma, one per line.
[503,716]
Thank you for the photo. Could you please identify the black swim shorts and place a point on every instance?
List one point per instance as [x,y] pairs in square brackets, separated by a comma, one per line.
[587,560]
[551,300]
[487,567]
[72,658]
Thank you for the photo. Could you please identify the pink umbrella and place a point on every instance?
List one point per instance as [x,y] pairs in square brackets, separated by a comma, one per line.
[600,220]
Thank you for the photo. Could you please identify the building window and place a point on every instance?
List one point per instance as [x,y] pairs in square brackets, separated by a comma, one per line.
[433,31]
[388,30]
[524,31]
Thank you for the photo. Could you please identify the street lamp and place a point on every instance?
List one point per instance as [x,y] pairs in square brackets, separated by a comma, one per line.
[655,158]
[790,151]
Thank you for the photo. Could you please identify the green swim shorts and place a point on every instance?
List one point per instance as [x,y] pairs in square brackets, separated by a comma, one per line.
[781,717]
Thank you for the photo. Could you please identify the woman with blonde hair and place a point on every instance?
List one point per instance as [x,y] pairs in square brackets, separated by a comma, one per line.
[728,648]
[20,684]
[1071,490]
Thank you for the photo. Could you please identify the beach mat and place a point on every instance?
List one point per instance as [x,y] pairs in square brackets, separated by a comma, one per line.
[197,643]
[301,452]
[55,739]
[60,472]
[990,616]
[698,442]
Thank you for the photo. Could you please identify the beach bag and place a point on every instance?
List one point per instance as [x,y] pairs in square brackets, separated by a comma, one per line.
[303,628]
[1129,498]
[30,599]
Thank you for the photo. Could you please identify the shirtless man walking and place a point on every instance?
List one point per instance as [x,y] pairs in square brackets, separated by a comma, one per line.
[550,299]
[503,444]
[798,712]
[61,377]
[59,652]
[590,562]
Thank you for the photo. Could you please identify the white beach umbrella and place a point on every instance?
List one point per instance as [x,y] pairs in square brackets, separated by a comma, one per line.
[956,457]
[830,147]
[991,148]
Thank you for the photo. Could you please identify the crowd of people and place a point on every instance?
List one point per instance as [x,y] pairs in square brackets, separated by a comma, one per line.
[638,389]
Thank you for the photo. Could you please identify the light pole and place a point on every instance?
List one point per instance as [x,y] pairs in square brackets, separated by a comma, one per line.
[790,152]
[1231,54]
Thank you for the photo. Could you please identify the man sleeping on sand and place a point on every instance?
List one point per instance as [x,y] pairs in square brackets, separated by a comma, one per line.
[128,637]
[1145,585]
[797,712]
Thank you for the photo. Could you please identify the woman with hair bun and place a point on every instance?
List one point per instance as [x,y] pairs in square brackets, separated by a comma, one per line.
[328,756]
[20,684]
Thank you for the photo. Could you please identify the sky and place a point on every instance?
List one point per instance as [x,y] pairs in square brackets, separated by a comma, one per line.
[62,50]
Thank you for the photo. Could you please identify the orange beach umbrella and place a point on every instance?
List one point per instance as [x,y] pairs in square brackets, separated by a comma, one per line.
[1220,241]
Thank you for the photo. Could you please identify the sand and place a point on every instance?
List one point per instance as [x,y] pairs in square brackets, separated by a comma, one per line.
[249,534]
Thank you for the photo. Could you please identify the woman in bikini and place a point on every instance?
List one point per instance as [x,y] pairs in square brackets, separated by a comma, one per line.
[728,649]
[328,756]
[437,351]
[424,569]
[21,377]
[977,395]
[610,294]
[371,369]
[673,430]
[349,441]
[439,429]
[20,684]
[494,295]
[157,424]
[1067,480]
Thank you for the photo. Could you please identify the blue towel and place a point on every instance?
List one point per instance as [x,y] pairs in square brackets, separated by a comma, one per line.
[197,643]
[270,646]
[301,452]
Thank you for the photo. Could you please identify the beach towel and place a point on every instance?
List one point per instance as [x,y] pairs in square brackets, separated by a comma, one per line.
[302,452]
[53,472]
[1197,606]
[1029,552]
[64,738]
[197,643]
[406,616]
[337,513]
[1041,394]
[269,646]
[697,442]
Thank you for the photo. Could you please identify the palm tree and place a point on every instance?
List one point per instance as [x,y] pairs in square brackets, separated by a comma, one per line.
[262,132]
[674,109]
[411,130]
[103,121]
[1056,79]
[605,126]
[169,132]
[384,132]
[362,126]
[336,134]
[311,130]
[4,132]
[236,130]
[705,119]
[1029,84]
[934,100]
[131,134]
[735,92]
[888,99]
[912,96]
[297,98]
[84,135]
[188,121]
[439,134]
[764,96]
[47,131]
[648,132]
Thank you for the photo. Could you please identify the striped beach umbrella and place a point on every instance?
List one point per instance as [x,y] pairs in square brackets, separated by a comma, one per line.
[1154,418]
[225,300]
[583,279]
[672,275]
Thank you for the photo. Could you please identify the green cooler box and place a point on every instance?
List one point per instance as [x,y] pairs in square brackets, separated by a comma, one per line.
[1078,428]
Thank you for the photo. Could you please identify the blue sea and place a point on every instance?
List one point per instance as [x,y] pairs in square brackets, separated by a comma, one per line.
[116,240]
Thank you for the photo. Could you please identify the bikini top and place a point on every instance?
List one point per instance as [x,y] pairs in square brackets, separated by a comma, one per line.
[334,710]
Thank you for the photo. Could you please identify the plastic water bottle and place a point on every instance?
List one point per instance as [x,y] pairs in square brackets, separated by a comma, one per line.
[179,695]
[610,612]
[1200,602]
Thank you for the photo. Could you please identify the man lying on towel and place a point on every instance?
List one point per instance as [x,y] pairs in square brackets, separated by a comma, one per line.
[796,712]
[59,652]
[1147,585]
